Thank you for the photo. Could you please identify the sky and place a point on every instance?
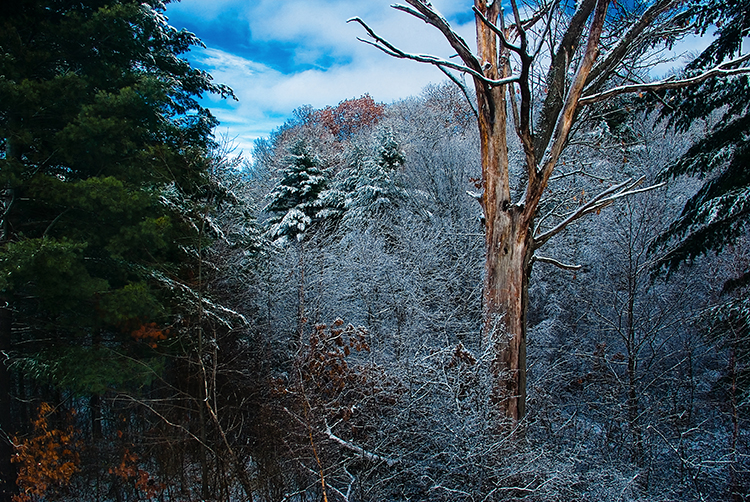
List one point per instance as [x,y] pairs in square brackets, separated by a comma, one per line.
[278,55]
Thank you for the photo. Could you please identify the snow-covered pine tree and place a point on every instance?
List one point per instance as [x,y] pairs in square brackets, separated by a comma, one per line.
[295,199]
[375,188]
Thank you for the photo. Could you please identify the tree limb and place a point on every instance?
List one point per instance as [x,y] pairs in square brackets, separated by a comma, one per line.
[429,15]
[561,61]
[565,118]
[394,51]
[599,202]
[722,70]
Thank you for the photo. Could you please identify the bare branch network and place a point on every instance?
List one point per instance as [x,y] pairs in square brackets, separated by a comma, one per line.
[391,50]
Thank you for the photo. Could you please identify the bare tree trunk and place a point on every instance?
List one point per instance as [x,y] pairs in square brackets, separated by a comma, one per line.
[7,471]
[506,239]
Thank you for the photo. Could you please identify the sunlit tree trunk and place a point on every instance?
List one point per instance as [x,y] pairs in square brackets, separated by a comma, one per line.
[511,238]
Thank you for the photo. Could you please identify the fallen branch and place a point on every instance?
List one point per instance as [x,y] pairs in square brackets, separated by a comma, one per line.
[358,449]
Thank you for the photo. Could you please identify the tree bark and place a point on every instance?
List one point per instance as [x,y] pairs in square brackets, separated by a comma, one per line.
[507,267]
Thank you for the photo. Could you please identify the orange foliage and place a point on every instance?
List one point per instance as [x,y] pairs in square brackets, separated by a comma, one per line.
[350,115]
[128,470]
[48,459]
[326,365]
[150,334]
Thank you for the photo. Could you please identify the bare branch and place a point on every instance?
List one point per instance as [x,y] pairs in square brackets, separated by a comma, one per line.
[461,85]
[578,171]
[722,70]
[358,449]
[596,204]
[558,70]
[429,15]
[548,10]
[538,15]
[600,73]
[524,129]
[565,118]
[556,263]
[393,51]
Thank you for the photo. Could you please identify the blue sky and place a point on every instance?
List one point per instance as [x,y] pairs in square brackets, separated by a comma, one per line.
[278,55]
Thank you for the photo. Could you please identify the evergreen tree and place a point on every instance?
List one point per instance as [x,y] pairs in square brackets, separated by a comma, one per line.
[368,187]
[375,188]
[717,215]
[295,199]
[719,212]
[103,164]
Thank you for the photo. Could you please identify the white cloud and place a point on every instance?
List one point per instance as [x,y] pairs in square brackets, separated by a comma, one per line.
[315,30]
[324,63]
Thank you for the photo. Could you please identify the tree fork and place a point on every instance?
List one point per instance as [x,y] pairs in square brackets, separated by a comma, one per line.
[510,236]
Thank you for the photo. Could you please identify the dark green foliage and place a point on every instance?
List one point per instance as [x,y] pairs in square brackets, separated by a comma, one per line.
[718,214]
[101,132]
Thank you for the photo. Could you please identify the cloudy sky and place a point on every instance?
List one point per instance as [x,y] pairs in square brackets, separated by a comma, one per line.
[278,55]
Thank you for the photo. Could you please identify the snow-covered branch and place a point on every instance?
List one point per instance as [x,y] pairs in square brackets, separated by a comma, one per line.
[391,50]
[358,449]
[496,30]
[726,69]
[597,203]
[559,264]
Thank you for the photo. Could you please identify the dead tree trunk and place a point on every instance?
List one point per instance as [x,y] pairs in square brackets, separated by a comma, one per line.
[509,239]
[501,70]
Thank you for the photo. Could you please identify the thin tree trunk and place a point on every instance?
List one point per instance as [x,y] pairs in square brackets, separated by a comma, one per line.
[301,292]
[7,470]
[735,487]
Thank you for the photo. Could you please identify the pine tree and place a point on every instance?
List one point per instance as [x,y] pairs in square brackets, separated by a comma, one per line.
[374,186]
[719,212]
[104,161]
[717,216]
[295,199]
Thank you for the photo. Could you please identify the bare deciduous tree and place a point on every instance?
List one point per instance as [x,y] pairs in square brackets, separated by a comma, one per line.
[510,55]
